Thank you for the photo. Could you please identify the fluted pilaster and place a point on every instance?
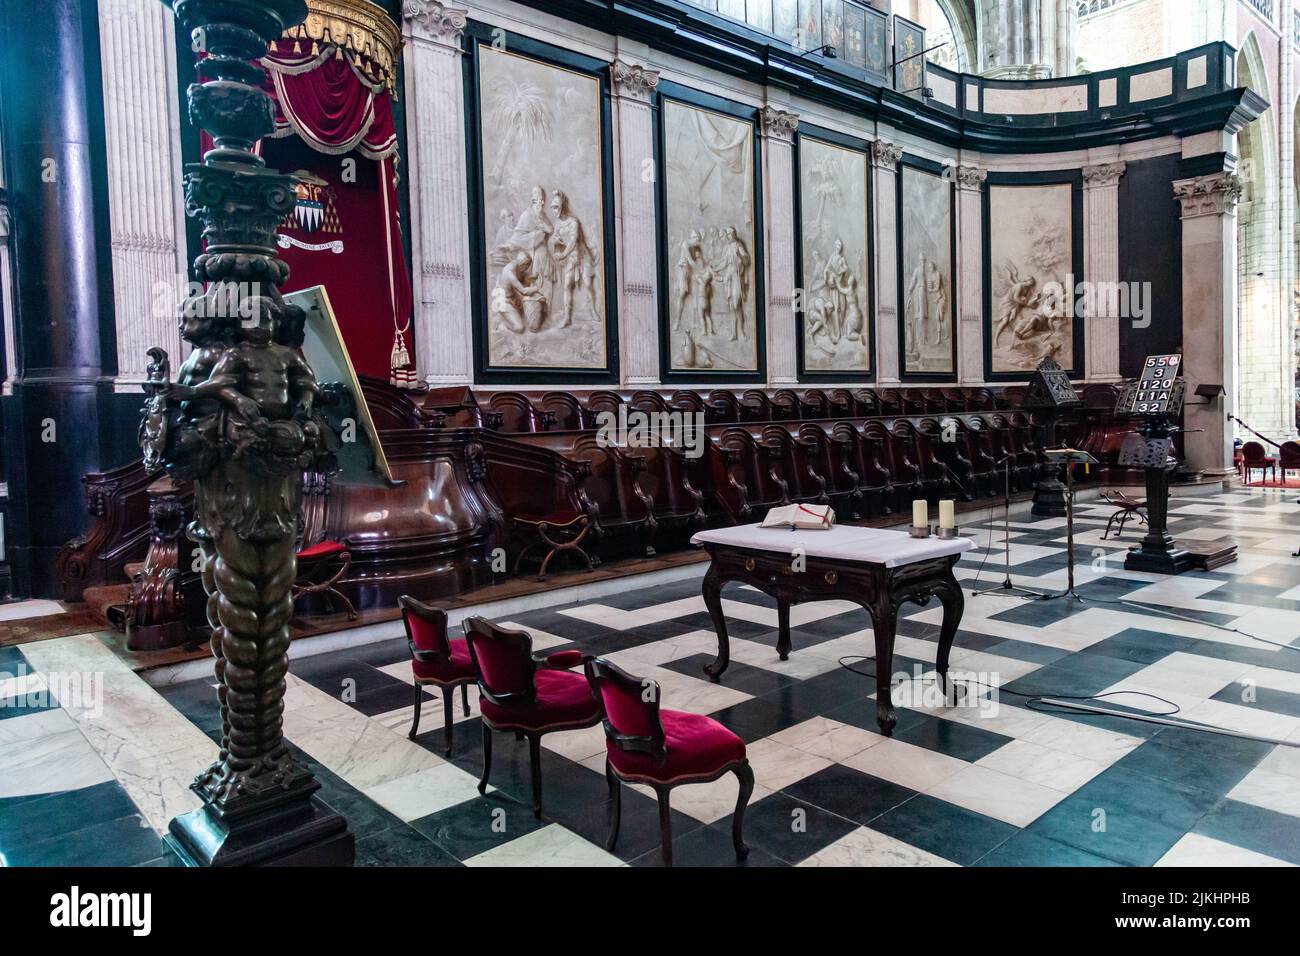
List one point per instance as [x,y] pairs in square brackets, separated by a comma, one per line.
[970,273]
[145,206]
[633,86]
[444,333]
[884,162]
[778,128]
[1101,270]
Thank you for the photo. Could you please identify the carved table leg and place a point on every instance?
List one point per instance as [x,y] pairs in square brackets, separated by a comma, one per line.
[783,629]
[884,621]
[712,589]
[949,594]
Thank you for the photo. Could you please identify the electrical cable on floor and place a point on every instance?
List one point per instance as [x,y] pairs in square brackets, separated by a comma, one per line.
[1079,703]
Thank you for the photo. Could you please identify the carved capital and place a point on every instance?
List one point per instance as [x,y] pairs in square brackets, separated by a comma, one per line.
[1213,195]
[971,177]
[778,124]
[435,20]
[1105,174]
[633,80]
[885,155]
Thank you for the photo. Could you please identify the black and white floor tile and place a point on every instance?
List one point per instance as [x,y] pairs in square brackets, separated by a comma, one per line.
[997,780]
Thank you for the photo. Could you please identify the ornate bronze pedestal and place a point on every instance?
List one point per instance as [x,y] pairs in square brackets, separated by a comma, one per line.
[241,421]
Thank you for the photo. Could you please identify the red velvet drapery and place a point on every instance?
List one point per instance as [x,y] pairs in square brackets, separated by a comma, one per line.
[346,232]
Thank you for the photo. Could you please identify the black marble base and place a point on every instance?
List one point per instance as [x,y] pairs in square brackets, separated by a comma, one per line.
[299,831]
[1173,561]
[1049,499]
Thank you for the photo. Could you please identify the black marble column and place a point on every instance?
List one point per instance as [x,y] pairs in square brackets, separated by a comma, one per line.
[63,325]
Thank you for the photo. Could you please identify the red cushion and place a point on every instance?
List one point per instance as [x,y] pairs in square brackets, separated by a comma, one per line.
[458,668]
[564,659]
[696,746]
[563,698]
[324,549]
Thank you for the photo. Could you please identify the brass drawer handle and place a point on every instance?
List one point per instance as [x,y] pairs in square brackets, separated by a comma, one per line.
[832,577]
[749,564]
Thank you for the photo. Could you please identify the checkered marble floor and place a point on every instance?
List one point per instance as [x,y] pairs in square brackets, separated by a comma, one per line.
[992,781]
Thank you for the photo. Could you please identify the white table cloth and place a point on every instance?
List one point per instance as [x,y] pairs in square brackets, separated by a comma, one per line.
[840,543]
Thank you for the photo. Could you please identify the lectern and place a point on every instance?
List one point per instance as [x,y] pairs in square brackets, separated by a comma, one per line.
[1050,391]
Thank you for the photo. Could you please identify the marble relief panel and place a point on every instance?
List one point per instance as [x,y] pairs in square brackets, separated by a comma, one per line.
[710,225]
[543,194]
[927,293]
[834,257]
[1030,255]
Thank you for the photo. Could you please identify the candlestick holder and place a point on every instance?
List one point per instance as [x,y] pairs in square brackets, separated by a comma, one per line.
[915,532]
[948,534]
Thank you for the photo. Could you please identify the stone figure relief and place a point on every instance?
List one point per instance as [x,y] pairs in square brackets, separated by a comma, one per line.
[833,231]
[543,205]
[1031,256]
[709,191]
[927,273]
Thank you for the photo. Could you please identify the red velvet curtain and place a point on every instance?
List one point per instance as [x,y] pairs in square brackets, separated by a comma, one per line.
[346,233]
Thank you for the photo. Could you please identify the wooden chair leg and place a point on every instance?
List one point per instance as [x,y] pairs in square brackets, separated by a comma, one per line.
[464,698]
[535,761]
[616,811]
[415,723]
[487,757]
[448,706]
[744,774]
[665,825]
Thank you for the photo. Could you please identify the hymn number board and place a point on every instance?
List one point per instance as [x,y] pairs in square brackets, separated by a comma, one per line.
[1159,389]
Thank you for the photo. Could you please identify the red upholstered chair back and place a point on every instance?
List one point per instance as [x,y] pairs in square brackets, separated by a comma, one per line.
[426,627]
[1253,451]
[1289,453]
[503,662]
[630,707]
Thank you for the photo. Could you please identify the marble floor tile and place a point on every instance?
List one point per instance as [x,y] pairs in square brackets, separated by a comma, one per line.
[776,766]
[1197,850]
[865,847]
[49,764]
[425,791]
[550,846]
[827,738]
[1055,769]
[1269,789]
[905,764]
[997,795]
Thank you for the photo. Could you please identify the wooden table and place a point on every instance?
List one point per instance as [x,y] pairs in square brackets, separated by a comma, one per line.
[874,567]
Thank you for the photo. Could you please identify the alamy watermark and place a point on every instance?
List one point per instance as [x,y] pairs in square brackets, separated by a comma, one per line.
[81,692]
[631,428]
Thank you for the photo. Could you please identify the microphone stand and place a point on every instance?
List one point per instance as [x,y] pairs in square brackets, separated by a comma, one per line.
[1006,587]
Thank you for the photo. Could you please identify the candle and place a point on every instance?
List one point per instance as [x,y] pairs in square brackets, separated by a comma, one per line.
[947,514]
[920,513]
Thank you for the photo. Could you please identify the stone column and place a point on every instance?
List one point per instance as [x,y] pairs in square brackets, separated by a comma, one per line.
[884,163]
[435,91]
[1101,270]
[1209,306]
[61,319]
[1025,39]
[137,45]
[638,315]
[970,274]
[779,128]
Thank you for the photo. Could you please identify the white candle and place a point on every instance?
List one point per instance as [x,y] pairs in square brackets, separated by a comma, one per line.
[947,514]
[920,513]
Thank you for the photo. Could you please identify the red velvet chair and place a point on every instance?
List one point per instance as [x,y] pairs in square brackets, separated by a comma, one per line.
[1254,457]
[435,660]
[663,749]
[533,695]
[320,568]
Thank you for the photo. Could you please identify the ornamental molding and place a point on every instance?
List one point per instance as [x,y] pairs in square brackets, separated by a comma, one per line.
[1104,174]
[885,155]
[778,124]
[633,80]
[436,20]
[357,27]
[971,177]
[1214,195]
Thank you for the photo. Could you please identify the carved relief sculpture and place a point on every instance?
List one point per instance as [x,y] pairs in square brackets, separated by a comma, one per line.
[833,233]
[709,196]
[927,293]
[1031,252]
[543,213]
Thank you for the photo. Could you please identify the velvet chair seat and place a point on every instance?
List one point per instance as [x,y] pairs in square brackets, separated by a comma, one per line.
[563,699]
[458,667]
[694,746]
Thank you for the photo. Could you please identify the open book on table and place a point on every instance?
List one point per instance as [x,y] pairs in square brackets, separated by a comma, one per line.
[803,517]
